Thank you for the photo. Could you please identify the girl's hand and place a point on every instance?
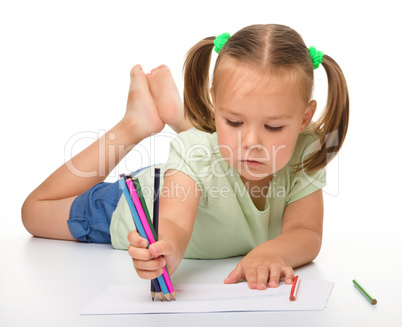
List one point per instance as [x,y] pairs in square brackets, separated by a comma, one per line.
[148,262]
[258,267]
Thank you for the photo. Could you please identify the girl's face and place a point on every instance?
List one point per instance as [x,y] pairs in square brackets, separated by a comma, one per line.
[258,122]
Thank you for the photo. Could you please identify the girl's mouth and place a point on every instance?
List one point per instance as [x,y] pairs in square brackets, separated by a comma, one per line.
[253,163]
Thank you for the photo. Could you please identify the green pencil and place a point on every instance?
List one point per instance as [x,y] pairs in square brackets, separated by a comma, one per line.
[365,294]
[138,188]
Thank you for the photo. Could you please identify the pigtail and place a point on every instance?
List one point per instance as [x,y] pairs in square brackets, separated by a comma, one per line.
[333,123]
[197,102]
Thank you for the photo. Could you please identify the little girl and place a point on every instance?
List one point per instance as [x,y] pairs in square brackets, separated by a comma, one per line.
[243,176]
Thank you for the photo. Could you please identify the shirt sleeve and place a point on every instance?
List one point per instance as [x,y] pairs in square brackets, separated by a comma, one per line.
[191,153]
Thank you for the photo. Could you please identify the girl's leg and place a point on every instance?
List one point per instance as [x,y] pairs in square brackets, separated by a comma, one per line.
[46,210]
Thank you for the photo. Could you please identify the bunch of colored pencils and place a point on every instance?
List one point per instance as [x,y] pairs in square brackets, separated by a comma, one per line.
[161,286]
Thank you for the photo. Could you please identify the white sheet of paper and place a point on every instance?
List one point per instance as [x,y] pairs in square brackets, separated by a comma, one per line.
[197,298]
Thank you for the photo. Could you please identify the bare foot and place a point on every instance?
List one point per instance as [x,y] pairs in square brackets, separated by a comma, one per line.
[141,110]
[167,98]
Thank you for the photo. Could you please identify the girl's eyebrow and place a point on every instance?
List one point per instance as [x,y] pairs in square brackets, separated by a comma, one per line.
[276,117]
[228,111]
[280,117]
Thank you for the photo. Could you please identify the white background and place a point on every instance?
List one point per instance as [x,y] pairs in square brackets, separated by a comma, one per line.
[64,73]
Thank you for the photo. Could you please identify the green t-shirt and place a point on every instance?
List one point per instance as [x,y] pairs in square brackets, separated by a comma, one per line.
[227,223]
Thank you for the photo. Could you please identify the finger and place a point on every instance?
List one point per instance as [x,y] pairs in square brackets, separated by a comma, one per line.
[139,253]
[289,274]
[161,248]
[251,276]
[234,276]
[150,265]
[136,240]
[262,277]
[274,275]
[145,266]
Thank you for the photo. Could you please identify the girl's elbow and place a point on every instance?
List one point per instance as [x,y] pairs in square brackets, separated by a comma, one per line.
[316,248]
[27,216]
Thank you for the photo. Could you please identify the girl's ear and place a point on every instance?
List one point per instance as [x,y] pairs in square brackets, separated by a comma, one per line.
[308,114]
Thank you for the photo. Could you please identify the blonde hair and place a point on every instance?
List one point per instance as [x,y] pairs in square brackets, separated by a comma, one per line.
[275,49]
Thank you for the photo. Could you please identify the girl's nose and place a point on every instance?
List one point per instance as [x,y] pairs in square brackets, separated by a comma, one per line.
[250,139]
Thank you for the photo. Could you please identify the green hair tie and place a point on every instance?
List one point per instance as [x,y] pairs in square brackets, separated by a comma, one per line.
[316,56]
[220,41]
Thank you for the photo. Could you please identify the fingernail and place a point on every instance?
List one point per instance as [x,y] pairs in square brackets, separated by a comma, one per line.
[144,243]
[156,250]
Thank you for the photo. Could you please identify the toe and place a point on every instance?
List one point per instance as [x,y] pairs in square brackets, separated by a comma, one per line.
[159,68]
[135,69]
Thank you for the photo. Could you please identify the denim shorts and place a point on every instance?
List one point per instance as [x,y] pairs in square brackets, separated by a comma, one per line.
[91,212]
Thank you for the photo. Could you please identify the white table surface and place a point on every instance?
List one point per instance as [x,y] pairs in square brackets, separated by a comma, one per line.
[47,283]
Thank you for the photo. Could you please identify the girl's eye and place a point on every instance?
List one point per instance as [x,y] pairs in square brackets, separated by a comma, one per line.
[233,123]
[273,129]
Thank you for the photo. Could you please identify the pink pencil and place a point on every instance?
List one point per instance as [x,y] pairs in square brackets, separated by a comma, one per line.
[140,210]
[147,229]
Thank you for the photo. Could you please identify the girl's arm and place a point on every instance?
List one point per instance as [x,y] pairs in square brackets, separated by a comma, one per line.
[178,205]
[298,244]
[46,210]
